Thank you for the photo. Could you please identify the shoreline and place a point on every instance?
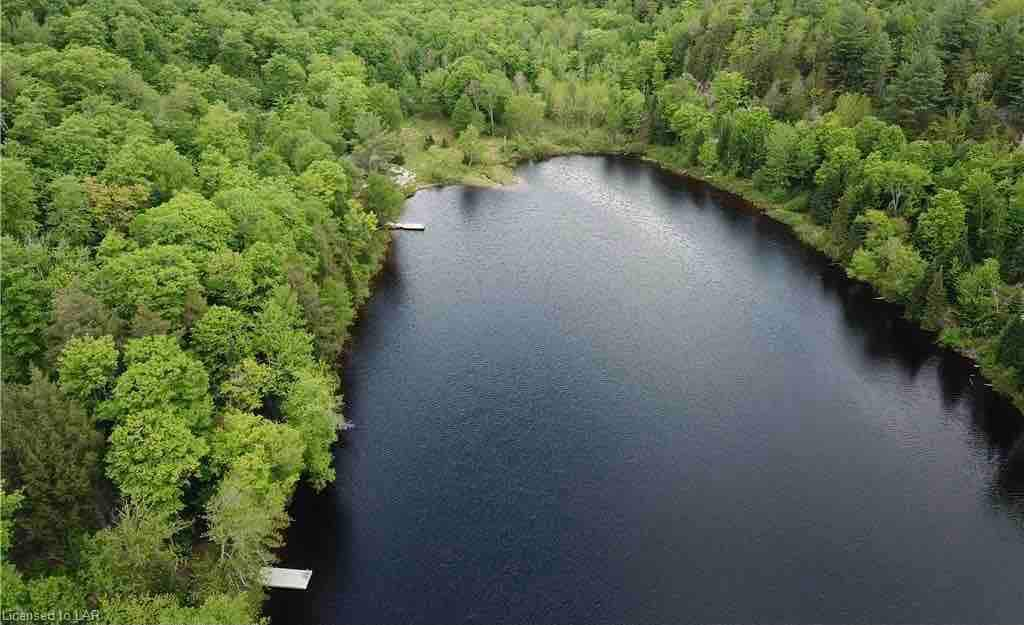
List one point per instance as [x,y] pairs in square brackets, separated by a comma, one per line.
[809,234]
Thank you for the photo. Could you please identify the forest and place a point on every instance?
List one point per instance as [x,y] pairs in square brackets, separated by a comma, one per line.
[193,196]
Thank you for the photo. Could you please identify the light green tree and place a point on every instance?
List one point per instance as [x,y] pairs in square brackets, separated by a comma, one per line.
[328,182]
[942,227]
[87,368]
[730,91]
[222,338]
[18,198]
[312,408]
[978,297]
[135,556]
[470,144]
[524,113]
[153,455]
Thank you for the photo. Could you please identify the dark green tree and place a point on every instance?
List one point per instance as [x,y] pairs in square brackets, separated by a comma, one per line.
[54,452]
[936,303]
[1011,346]
[918,90]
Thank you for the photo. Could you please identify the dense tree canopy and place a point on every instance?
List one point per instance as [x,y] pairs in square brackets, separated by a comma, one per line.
[192,194]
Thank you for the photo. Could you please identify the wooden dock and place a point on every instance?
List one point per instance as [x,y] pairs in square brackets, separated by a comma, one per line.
[401,226]
[295,579]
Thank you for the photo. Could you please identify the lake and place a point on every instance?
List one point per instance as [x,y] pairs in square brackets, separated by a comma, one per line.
[611,394]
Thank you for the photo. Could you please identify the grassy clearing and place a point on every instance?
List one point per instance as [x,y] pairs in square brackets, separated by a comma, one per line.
[431,151]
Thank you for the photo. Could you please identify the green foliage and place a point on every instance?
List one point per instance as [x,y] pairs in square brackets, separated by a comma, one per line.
[363,251]
[917,91]
[742,140]
[247,384]
[334,314]
[280,337]
[841,165]
[311,407]
[691,123]
[166,609]
[469,143]
[986,214]
[76,313]
[133,557]
[893,266]
[87,368]
[53,454]
[492,92]
[26,298]
[780,167]
[383,198]
[77,146]
[56,590]
[464,71]
[629,112]
[157,166]
[729,90]
[708,156]
[188,218]
[465,114]
[158,278]
[852,108]
[222,338]
[152,456]
[936,303]
[1011,346]
[235,156]
[385,102]
[900,185]
[220,129]
[69,213]
[113,206]
[228,278]
[158,373]
[18,198]
[328,182]
[524,113]
[885,259]
[978,297]
[942,227]
[377,145]
[10,503]
[279,445]
[282,77]
[880,227]
[245,518]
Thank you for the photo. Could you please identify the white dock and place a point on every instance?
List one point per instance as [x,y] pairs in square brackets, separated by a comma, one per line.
[401,226]
[295,579]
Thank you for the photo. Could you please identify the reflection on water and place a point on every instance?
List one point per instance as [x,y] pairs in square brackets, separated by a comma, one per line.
[610,394]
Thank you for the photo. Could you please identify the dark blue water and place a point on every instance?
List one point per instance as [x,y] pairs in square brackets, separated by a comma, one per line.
[608,394]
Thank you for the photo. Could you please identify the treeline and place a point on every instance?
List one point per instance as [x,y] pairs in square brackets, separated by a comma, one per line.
[192,192]
[188,232]
[890,134]
[933,225]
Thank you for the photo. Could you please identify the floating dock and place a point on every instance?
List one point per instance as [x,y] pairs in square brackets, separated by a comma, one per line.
[295,579]
[401,226]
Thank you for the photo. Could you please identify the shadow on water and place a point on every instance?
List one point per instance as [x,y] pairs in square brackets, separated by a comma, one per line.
[1008,487]
[390,274]
[885,334]
[322,554]
[470,199]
